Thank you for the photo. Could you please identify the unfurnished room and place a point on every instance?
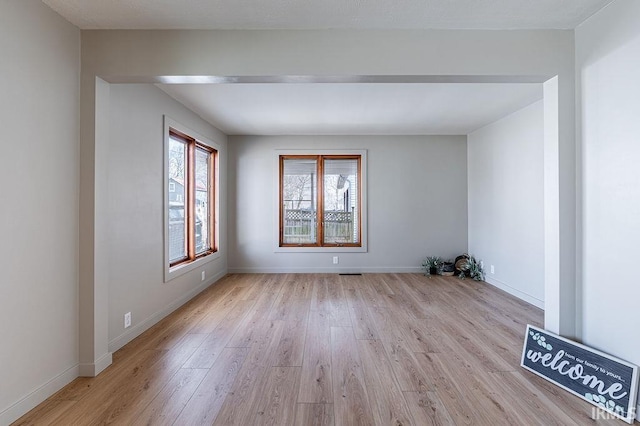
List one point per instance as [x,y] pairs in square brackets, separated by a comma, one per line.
[319,213]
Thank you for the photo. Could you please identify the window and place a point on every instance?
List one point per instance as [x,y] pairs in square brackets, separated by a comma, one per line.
[320,201]
[191,197]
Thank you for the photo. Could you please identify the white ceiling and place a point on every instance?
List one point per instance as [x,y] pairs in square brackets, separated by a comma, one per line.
[344,108]
[352,109]
[326,14]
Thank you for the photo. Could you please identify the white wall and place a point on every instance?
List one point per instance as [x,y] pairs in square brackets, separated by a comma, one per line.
[417,202]
[136,211]
[608,60]
[39,83]
[506,203]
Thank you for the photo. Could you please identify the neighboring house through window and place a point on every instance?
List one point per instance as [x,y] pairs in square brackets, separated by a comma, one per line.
[320,200]
[191,172]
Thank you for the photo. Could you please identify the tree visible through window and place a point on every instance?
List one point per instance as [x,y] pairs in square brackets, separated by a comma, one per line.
[191,197]
[320,202]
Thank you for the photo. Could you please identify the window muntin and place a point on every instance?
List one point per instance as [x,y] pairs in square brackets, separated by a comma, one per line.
[191,209]
[320,201]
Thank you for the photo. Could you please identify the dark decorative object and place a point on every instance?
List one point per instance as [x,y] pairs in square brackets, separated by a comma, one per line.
[432,265]
[448,268]
[468,266]
[607,382]
[461,263]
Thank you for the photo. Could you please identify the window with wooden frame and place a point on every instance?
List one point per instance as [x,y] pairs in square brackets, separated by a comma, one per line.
[320,200]
[192,166]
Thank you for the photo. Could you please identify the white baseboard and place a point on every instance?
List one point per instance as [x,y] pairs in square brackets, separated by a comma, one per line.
[515,292]
[35,397]
[327,270]
[149,322]
[96,367]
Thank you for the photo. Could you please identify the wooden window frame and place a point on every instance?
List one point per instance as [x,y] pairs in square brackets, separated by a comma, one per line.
[192,144]
[320,158]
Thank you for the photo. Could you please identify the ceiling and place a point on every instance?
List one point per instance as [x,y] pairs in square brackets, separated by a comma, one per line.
[340,108]
[326,14]
[353,108]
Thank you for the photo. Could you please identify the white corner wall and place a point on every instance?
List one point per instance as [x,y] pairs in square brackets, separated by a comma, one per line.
[136,210]
[39,82]
[417,202]
[506,202]
[607,63]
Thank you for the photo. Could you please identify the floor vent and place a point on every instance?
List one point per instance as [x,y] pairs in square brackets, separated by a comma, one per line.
[349,273]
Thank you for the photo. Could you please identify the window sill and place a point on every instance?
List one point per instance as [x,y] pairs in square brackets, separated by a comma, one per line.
[334,249]
[174,272]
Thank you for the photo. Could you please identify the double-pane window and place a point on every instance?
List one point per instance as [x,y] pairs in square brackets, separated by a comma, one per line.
[320,201]
[191,198]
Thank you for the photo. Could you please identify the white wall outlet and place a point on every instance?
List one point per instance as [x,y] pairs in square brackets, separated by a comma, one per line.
[493,269]
[203,275]
[127,320]
[336,260]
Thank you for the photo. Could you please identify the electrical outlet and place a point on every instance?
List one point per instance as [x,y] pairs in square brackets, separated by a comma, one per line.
[203,275]
[336,260]
[127,320]
[493,269]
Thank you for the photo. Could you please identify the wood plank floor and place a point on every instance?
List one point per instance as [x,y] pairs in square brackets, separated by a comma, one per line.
[323,349]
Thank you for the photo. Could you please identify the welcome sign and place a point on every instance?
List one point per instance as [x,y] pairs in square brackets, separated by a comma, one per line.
[607,382]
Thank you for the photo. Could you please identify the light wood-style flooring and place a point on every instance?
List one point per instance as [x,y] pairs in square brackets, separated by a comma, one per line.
[325,349]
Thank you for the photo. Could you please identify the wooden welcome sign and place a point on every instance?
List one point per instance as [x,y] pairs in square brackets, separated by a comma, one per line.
[607,382]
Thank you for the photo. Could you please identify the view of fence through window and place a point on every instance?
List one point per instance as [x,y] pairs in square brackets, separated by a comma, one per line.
[299,193]
[340,201]
[338,198]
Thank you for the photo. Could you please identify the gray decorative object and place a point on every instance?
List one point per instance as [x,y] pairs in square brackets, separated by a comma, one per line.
[605,381]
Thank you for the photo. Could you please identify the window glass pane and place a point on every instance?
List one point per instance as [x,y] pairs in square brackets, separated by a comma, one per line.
[341,201]
[177,181]
[202,201]
[299,201]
